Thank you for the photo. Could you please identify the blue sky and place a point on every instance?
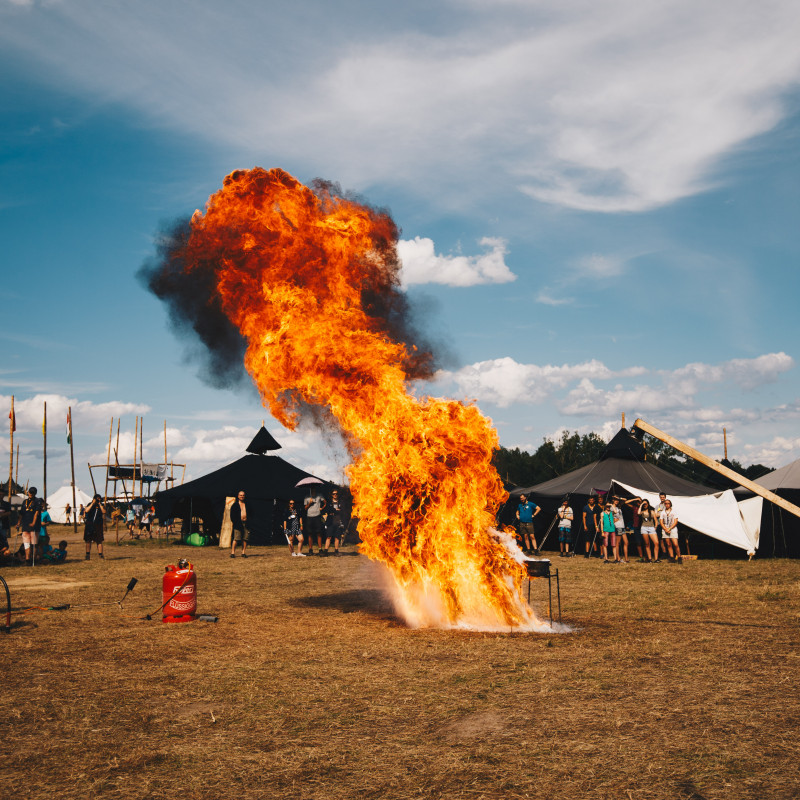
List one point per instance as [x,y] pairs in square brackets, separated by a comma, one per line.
[599,206]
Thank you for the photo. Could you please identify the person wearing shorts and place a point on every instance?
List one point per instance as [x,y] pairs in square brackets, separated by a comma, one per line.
[93,526]
[29,524]
[669,532]
[565,529]
[619,529]
[649,534]
[315,505]
[526,511]
[241,533]
[609,532]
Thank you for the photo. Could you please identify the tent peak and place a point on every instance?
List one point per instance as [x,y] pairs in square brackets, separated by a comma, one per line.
[262,442]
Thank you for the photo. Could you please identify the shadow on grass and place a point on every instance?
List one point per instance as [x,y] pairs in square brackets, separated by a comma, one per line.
[702,622]
[369,601]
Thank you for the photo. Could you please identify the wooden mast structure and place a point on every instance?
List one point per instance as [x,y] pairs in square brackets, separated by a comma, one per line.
[717,467]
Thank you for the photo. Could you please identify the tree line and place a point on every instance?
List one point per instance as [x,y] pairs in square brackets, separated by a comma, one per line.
[573,450]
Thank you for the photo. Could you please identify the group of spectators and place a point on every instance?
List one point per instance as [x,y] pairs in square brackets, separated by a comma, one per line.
[654,530]
[32,521]
[321,519]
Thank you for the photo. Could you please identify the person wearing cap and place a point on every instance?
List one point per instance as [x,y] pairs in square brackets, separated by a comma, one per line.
[526,511]
[335,524]
[93,527]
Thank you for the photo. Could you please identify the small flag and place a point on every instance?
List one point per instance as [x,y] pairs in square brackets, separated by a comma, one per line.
[69,429]
[13,417]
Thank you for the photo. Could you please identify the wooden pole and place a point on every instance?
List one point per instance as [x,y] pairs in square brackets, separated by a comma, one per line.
[116,462]
[725,442]
[108,459]
[44,436]
[72,467]
[141,458]
[717,467]
[623,419]
[91,475]
[135,440]
[124,487]
[16,472]
[11,426]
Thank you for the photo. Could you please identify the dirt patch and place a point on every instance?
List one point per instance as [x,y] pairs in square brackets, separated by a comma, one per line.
[35,583]
[483,723]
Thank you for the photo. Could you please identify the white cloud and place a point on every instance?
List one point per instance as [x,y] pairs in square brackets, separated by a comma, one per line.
[505,381]
[605,106]
[598,266]
[422,265]
[29,412]
[747,373]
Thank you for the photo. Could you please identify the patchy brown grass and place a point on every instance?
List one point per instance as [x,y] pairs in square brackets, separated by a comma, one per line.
[678,682]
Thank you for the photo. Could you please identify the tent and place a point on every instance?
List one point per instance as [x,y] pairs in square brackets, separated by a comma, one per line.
[57,503]
[717,515]
[780,529]
[622,460]
[267,481]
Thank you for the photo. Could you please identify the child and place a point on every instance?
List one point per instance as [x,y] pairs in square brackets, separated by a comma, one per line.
[56,555]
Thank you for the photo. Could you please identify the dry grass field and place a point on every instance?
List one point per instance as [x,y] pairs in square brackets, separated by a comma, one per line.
[677,682]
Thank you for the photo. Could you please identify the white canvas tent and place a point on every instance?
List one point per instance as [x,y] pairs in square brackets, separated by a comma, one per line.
[716,515]
[57,502]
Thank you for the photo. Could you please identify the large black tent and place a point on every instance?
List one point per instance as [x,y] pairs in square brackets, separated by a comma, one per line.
[267,480]
[622,460]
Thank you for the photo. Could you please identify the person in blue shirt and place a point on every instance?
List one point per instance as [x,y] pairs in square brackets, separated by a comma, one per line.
[526,511]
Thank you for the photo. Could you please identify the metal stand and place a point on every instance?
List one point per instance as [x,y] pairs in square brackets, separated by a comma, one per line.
[542,569]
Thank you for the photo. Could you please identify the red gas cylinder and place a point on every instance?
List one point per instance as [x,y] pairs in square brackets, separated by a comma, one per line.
[179,593]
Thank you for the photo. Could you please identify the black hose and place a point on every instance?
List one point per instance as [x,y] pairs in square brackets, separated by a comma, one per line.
[8,605]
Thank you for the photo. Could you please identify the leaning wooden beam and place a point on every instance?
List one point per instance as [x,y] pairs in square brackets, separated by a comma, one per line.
[717,467]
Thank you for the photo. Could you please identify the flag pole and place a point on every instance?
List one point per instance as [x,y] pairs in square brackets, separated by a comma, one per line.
[135,438]
[72,467]
[44,436]
[108,458]
[141,458]
[11,427]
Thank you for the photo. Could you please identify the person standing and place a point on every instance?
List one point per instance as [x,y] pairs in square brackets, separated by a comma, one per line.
[526,511]
[94,517]
[44,520]
[241,532]
[293,530]
[669,532]
[649,534]
[662,499]
[634,504]
[334,522]
[565,529]
[29,519]
[619,531]
[590,525]
[609,533]
[314,505]
[81,515]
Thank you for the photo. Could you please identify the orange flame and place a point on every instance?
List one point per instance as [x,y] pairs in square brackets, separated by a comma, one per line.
[302,274]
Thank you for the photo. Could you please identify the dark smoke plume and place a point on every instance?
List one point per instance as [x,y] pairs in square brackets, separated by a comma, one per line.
[195,312]
[210,338]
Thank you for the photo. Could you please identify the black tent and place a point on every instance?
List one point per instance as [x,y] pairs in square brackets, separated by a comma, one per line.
[267,480]
[622,460]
